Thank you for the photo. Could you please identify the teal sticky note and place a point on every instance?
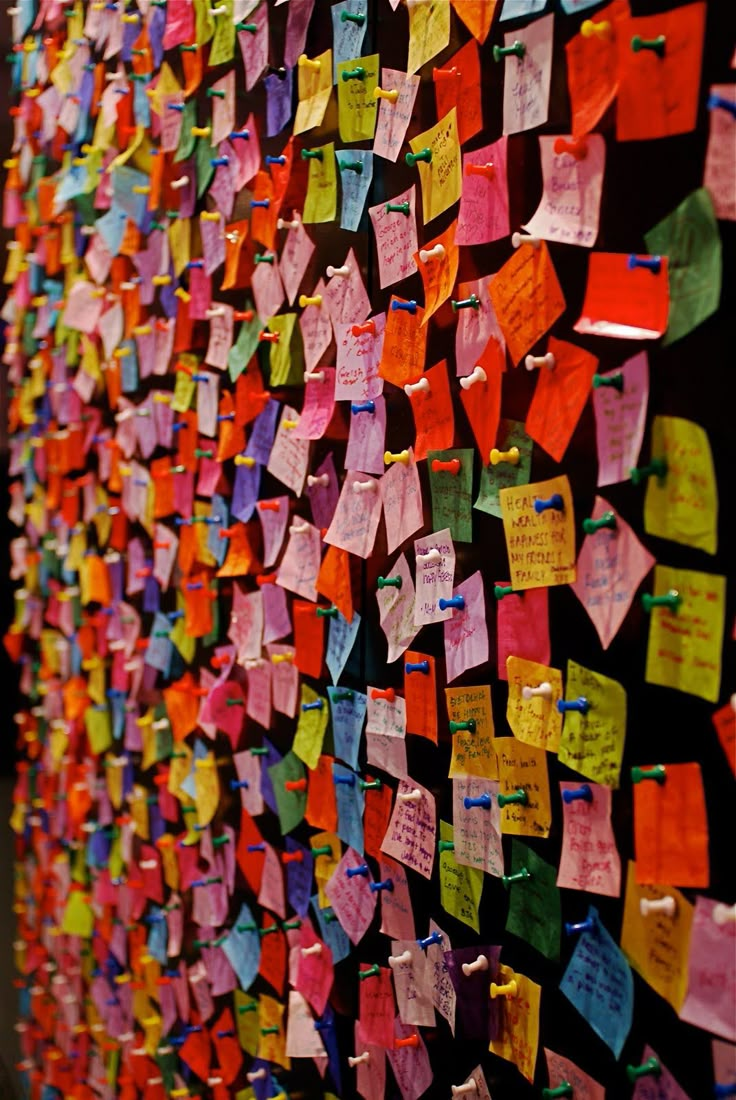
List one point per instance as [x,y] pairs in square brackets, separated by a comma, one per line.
[243,947]
[347,33]
[451,484]
[290,805]
[340,641]
[355,171]
[505,475]
[534,903]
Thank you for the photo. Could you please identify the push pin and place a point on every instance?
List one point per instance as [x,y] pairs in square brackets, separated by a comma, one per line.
[281,223]
[390,457]
[417,666]
[314,375]
[508,989]
[477,374]
[322,480]
[724,914]
[486,170]
[543,691]
[586,925]
[432,938]
[581,705]
[658,773]
[614,381]
[388,694]
[398,208]
[305,63]
[666,905]
[360,1059]
[516,48]
[408,307]
[305,300]
[466,726]
[337,272]
[589,29]
[455,602]
[520,797]
[367,329]
[518,239]
[481,963]
[536,362]
[608,519]
[363,407]
[369,973]
[422,386]
[655,45]
[315,949]
[362,870]
[554,503]
[511,456]
[716,101]
[365,486]
[424,155]
[414,796]
[351,165]
[384,884]
[500,591]
[358,73]
[389,582]
[312,154]
[483,801]
[434,253]
[670,600]
[650,263]
[409,1041]
[579,794]
[450,467]
[563,1089]
[650,1068]
[468,1088]
[577,149]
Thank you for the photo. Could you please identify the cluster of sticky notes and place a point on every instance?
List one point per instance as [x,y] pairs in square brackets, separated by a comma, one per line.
[304,432]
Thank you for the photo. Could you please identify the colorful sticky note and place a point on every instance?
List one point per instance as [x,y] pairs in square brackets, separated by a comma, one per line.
[560,397]
[440,176]
[461,886]
[589,859]
[570,205]
[505,473]
[624,299]
[599,984]
[535,912]
[682,505]
[532,713]
[523,767]
[517,1036]
[656,942]
[527,76]
[671,828]
[539,525]
[527,297]
[593,735]
[711,982]
[620,418]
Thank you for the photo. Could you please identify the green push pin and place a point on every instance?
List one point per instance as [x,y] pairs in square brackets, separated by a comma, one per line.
[141,78]
[520,876]
[563,1089]
[656,45]
[218,92]
[157,225]
[398,208]
[326,612]
[160,633]
[329,917]
[657,773]
[358,73]
[235,702]
[171,213]
[242,1009]
[650,1068]
[608,519]
[374,785]
[269,1031]
[423,154]
[346,696]
[291,925]
[615,381]
[353,17]
[189,49]
[671,599]
[369,973]
[246,927]
[501,590]
[250,27]
[312,154]
[519,797]
[473,302]
[259,751]
[178,469]
[201,943]
[446,845]
[261,258]
[656,468]
[178,755]
[323,850]
[219,941]
[463,727]
[351,166]
[218,841]
[516,47]
[389,582]
[271,928]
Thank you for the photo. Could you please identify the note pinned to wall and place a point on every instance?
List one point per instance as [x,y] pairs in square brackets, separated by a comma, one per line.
[539,525]
[589,859]
[517,1038]
[656,938]
[531,711]
[671,827]
[682,505]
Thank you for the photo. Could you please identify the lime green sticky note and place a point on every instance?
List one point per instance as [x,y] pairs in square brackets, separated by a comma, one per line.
[534,902]
[690,239]
[286,357]
[356,102]
[504,474]
[246,1021]
[320,203]
[592,741]
[99,730]
[460,886]
[290,804]
[683,506]
[78,919]
[184,390]
[310,731]
[245,346]
[204,26]
[451,483]
[187,139]
[203,156]
[223,42]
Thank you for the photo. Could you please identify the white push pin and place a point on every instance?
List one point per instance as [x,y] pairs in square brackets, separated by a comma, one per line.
[314,376]
[518,239]
[281,223]
[665,905]
[410,796]
[298,528]
[467,1089]
[544,691]
[253,662]
[359,1059]
[536,362]
[215,311]
[426,254]
[315,949]
[431,557]
[342,272]
[481,963]
[365,486]
[177,184]
[318,479]
[256,1074]
[422,386]
[724,914]
[477,374]
[397,960]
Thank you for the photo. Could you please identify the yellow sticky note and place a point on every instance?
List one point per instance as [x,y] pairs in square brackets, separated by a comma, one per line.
[531,710]
[684,650]
[315,89]
[138,802]
[460,886]
[539,525]
[320,203]
[179,233]
[78,919]
[184,391]
[473,751]
[206,788]
[324,866]
[592,743]
[99,730]
[167,85]
[523,767]
[517,1038]
[282,363]
[429,33]
[441,177]
[152,1026]
[356,102]
[272,1048]
[310,731]
[114,778]
[683,506]
[246,1022]
[656,942]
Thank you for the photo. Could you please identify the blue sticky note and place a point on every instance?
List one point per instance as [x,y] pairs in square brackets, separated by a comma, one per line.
[141,105]
[156,26]
[124,179]
[158,936]
[129,379]
[262,434]
[158,652]
[243,948]
[217,546]
[331,932]
[348,716]
[246,488]
[111,227]
[328,1032]
[350,804]
[151,595]
[520,9]
[299,877]
[278,101]
[340,641]
[570,7]
[267,761]
[599,984]
[347,35]
[354,185]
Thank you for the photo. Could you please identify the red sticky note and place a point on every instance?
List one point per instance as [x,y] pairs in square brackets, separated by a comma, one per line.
[376,1017]
[309,638]
[321,808]
[523,627]
[560,397]
[724,721]
[404,344]
[273,955]
[433,415]
[376,817]
[623,302]
[420,694]
[457,84]
[671,828]
[592,68]
[482,401]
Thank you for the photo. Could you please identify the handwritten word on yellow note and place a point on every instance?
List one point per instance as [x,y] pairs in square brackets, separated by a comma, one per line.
[523,768]
[532,705]
[518,1027]
[656,940]
[441,177]
[539,525]
[683,506]
[592,741]
[473,751]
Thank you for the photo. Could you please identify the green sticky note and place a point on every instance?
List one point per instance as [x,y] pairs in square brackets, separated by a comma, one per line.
[310,731]
[99,730]
[289,804]
[460,887]
[286,358]
[451,490]
[203,155]
[223,42]
[690,239]
[320,204]
[357,106]
[534,903]
[245,346]
[78,919]
[504,475]
[187,139]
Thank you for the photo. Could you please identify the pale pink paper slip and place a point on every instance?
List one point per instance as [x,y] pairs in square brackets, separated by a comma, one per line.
[396,610]
[396,237]
[319,405]
[477,832]
[466,631]
[351,897]
[356,517]
[570,206]
[589,860]
[620,419]
[435,565]
[301,561]
[403,513]
[484,203]
[358,358]
[410,836]
[394,118]
[711,992]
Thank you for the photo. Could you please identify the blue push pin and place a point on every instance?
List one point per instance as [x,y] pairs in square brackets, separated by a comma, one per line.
[586,925]
[410,307]
[243,135]
[714,102]
[256,847]
[236,783]
[316,705]
[433,937]
[454,601]
[483,800]
[172,616]
[264,203]
[351,872]
[219,162]
[583,794]
[275,160]
[580,704]
[385,884]
[652,263]
[195,263]
[555,503]
[725,1090]
[417,666]
[348,780]
[363,407]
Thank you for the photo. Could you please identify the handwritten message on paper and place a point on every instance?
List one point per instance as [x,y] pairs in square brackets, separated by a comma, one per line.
[570,205]
[589,859]
[434,577]
[598,982]
[541,544]
[527,79]
[517,1037]
[524,767]
[527,297]
[592,743]
[563,1071]
[440,178]
[484,203]
[657,944]
[473,751]
[620,418]
[504,475]
[477,831]
[712,973]
[461,885]
[533,715]
[683,506]
[410,837]
[535,911]
[671,828]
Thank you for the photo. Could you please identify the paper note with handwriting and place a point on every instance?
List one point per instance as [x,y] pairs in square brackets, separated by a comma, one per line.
[532,713]
[711,987]
[682,505]
[593,735]
[396,610]
[535,911]
[466,631]
[657,942]
[461,885]
[517,1036]
[620,408]
[560,396]
[527,76]
[410,837]
[561,1071]
[570,205]
[599,984]
[356,103]
[435,573]
[527,297]
[522,625]
[450,482]
[356,517]
[523,767]
[429,33]
[477,830]
[589,859]
[719,177]
[394,117]
[440,177]
[539,525]
[472,749]
[505,474]
[395,232]
[671,828]
[593,70]
[484,204]
[625,302]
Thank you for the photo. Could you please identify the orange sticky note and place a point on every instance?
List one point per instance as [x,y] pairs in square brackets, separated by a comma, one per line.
[524,767]
[658,89]
[309,638]
[433,414]
[517,1034]
[457,84]
[437,262]
[724,721]
[527,297]
[671,828]
[420,693]
[560,397]
[333,581]
[482,402]
[477,15]
[592,68]
[623,302]
[404,344]
[182,706]
[321,808]
[376,817]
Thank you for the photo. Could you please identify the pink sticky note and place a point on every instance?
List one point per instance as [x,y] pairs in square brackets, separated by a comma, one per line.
[401,491]
[720,160]
[300,13]
[323,490]
[258,675]
[271,895]
[319,405]
[314,974]
[522,627]
[569,209]
[410,1064]
[285,678]
[254,45]
[289,454]
[397,913]
[475,327]
[561,1069]
[316,329]
[248,768]
[367,439]
[245,630]
[724,1062]
[661,1086]
[345,295]
[247,159]
[356,517]
[294,260]
[371,1074]
[351,897]
[410,836]
[396,609]
[611,565]
[589,860]
[358,358]
[300,564]
[394,118]
[477,836]
[484,203]
[466,631]
[435,566]
[620,419]
[268,290]
[412,984]
[711,992]
[526,79]
[387,753]
[223,107]
[376,1008]
[396,237]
